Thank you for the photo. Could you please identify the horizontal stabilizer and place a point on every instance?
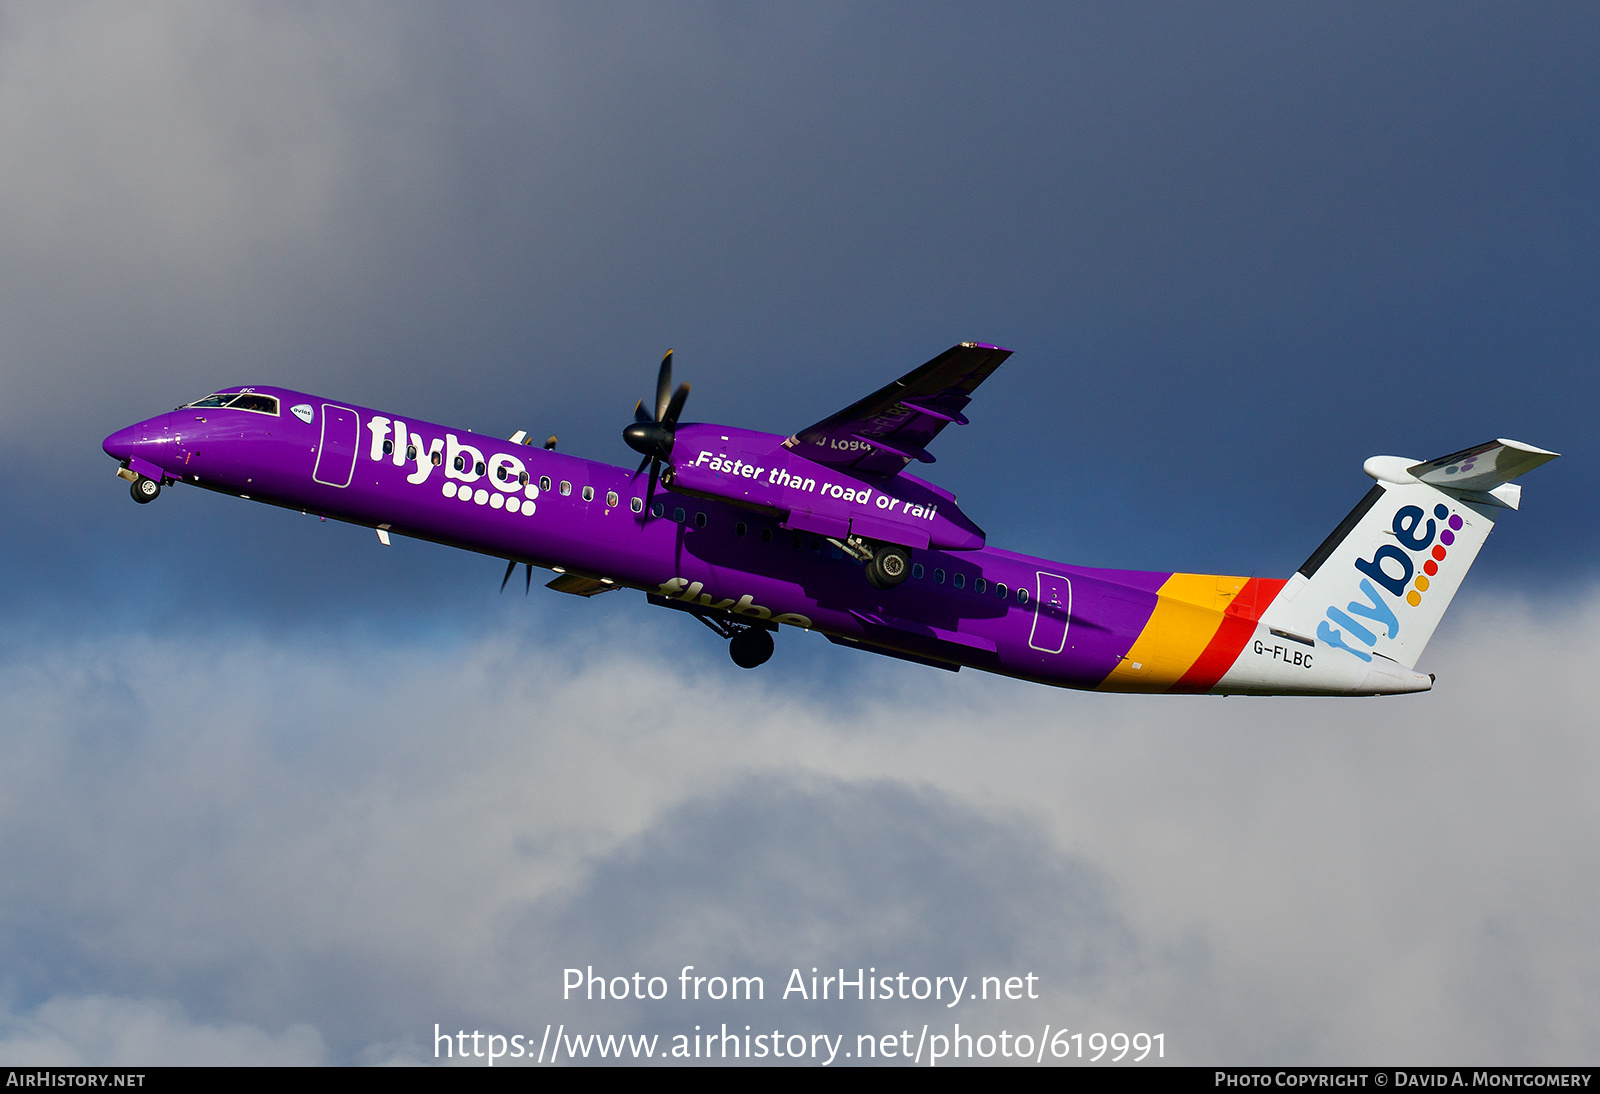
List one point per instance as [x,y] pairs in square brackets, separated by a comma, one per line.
[1482,467]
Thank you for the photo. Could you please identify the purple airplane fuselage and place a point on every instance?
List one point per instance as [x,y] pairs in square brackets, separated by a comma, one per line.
[977,606]
[824,530]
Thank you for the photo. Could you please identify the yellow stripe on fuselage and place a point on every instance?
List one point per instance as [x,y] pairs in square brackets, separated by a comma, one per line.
[1188,612]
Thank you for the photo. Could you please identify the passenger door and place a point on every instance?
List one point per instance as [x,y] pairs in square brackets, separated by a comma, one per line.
[341,440]
[1052,611]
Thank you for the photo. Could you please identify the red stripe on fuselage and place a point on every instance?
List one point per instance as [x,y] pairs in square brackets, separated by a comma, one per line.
[1238,624]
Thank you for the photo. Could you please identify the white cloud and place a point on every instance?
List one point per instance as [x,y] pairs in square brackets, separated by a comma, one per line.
[99,1030]
[371,841]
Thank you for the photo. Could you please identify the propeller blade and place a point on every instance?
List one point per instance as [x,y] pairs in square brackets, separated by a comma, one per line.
[642,463]
[674,408]
[527,583]
[650,495]
[510,566]
[640,414]
[663,387]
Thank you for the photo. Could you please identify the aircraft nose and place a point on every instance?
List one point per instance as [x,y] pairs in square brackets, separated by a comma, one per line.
[151,440]
[121,444]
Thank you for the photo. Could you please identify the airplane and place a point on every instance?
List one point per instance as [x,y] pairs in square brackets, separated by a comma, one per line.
[827,530]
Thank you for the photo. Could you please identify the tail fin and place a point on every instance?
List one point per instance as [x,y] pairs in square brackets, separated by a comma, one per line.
[1380,583]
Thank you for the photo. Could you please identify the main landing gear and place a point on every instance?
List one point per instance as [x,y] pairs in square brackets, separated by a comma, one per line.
[751,647]
[749,644]
[889,566]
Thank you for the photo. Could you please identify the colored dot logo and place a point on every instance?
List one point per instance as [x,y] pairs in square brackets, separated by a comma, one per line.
[1430,567]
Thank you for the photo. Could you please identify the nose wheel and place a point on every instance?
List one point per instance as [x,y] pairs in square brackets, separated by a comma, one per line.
[145,490]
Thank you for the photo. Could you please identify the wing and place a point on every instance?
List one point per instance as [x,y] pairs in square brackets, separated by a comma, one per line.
[888,429]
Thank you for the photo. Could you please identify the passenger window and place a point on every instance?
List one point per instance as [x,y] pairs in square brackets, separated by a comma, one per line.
[611,497]
[500,471]
[679,515]
[566,488]
[544,483]
[959,580]
[766,535]
[522,479]
[659,508]
[461,463]
[588,493]
[938,577]
[916,569]
[411,451]
[979,585]
[388,447]
[477,468]
[1000,590]
[739,529]
[699,520]
[437,458]
[1022,596]
[637,505]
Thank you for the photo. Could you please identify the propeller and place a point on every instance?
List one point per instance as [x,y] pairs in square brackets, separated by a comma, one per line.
[511,568]
[652,437]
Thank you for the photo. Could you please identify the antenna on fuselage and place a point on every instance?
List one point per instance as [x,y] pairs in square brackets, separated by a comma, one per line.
[511,568]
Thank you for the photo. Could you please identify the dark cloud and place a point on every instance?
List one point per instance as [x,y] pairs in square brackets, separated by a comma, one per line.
[1237,252]
[268,786]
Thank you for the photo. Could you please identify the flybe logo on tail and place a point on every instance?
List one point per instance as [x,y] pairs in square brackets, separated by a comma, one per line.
[1396,573]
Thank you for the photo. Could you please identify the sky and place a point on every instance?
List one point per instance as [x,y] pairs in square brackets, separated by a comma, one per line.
[270,792]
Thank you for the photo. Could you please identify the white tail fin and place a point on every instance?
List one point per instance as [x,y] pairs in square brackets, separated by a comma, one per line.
[1378,586]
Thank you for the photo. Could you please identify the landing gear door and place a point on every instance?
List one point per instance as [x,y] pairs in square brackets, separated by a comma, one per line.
[336,454]
[1052,612]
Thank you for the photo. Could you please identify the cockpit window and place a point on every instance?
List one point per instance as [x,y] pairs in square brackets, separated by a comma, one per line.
[236,400]
[261,404]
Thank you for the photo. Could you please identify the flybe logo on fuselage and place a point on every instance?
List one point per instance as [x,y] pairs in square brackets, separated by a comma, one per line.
[462,464]
[1392,569]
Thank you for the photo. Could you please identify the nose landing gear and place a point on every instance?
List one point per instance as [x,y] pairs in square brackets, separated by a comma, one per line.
[145,490]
